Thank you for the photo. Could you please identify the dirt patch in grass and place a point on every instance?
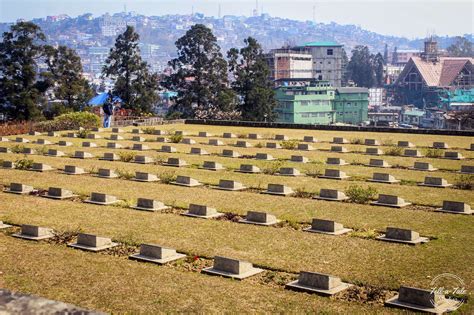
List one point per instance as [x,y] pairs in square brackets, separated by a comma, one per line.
[230,216]
[365,294]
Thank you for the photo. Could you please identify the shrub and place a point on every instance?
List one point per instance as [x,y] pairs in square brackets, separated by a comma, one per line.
[23,164]
[176,138]
[259,145]
[83,133]
[167,177]
[289,144]
[272,168]
[388,143]
[42,150]
[359,194]
[303,193]
[434,153]
[70,121]
[124,174]
[357,141]
[126,156]
[18,148]
[464,182]
[149,130]
[395,151]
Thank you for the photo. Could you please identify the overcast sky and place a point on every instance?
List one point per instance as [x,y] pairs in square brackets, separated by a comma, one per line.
[409,18]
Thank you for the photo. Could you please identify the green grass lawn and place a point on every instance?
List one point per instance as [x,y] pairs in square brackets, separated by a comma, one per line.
[356,258]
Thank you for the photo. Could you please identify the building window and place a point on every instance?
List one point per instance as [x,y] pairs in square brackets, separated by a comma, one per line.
[330,52]
[320,77]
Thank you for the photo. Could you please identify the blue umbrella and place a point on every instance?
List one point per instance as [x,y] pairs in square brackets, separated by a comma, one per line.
[99,99]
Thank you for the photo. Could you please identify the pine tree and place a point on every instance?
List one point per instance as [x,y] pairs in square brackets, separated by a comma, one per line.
[378,67]
[64,70]
[21,93]
[200,77]
[252,84]
[133,82]
[360,67]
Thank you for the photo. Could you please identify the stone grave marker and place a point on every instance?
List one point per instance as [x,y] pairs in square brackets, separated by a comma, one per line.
[157,254]
[373,151]
[20,189]
[3,139]
[281,137]
[5,150]
[181,133]
[457,207]
[117,130]
[101,199]
[471,148]
[107,173]
[412,153]
[43,142]
[58,193]
[340,140]
[145,204]
[420,300]
[334,174]
[186,181]
[53,134]
[467,169]
[310,139]
[390,201]
[140,147]
[305,147]
[176,162]
[87,144]
[142,159]
[63,143]
[254,136]
[21,140]
[383,178]
[28,151]
[231,268]
[168,149]
[216,142]
[378,163]
[228,135]
[405,236]
[92,242]
[204,134]
[41,167]
[34,233]
[338,148]
[8,164]
[278,189]
[73,170]
[272,145]
[158,132]
[289,171]
[201,211]
[322,284]
[331,195]
[423,166]
[335,161]
[188,141]
[198,151]
[115,137]
[299,159]
[371,142]
[259,218]
[82,155]
[97,129]
[453,155]
[230,153]
[212,166]
[71,135]
[138,139]
[137,131]
[93,136]
[264,156]
[114,145]
[248,168]
[145,177]
[440,145]
[243,144]
[435,182]
[231,185]
[405,144]
[54,152]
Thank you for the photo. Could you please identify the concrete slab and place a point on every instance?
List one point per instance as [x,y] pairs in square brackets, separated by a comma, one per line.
[259,218]
[279,190]
[59,193]
[101,199]
[318,283]
[186,181]
[331,195]
[327,227]
[34,233]
[145,177]
[73,170]
[145,204]
[156,254]
[456,207]
[202,211]
[92,243]
[20,189]
[232,268]
[4,226]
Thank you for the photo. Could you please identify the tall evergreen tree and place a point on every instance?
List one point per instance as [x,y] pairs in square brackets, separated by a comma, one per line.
[462,47]
[378,67]
[360,67]
[252,84]
[134,83]
[64,70]
[200,76]
[345,71]
[21,94]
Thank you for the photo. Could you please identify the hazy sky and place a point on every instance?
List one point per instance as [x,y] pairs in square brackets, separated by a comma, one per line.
[410,18]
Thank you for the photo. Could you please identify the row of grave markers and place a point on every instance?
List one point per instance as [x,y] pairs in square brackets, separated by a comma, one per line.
[312,282]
